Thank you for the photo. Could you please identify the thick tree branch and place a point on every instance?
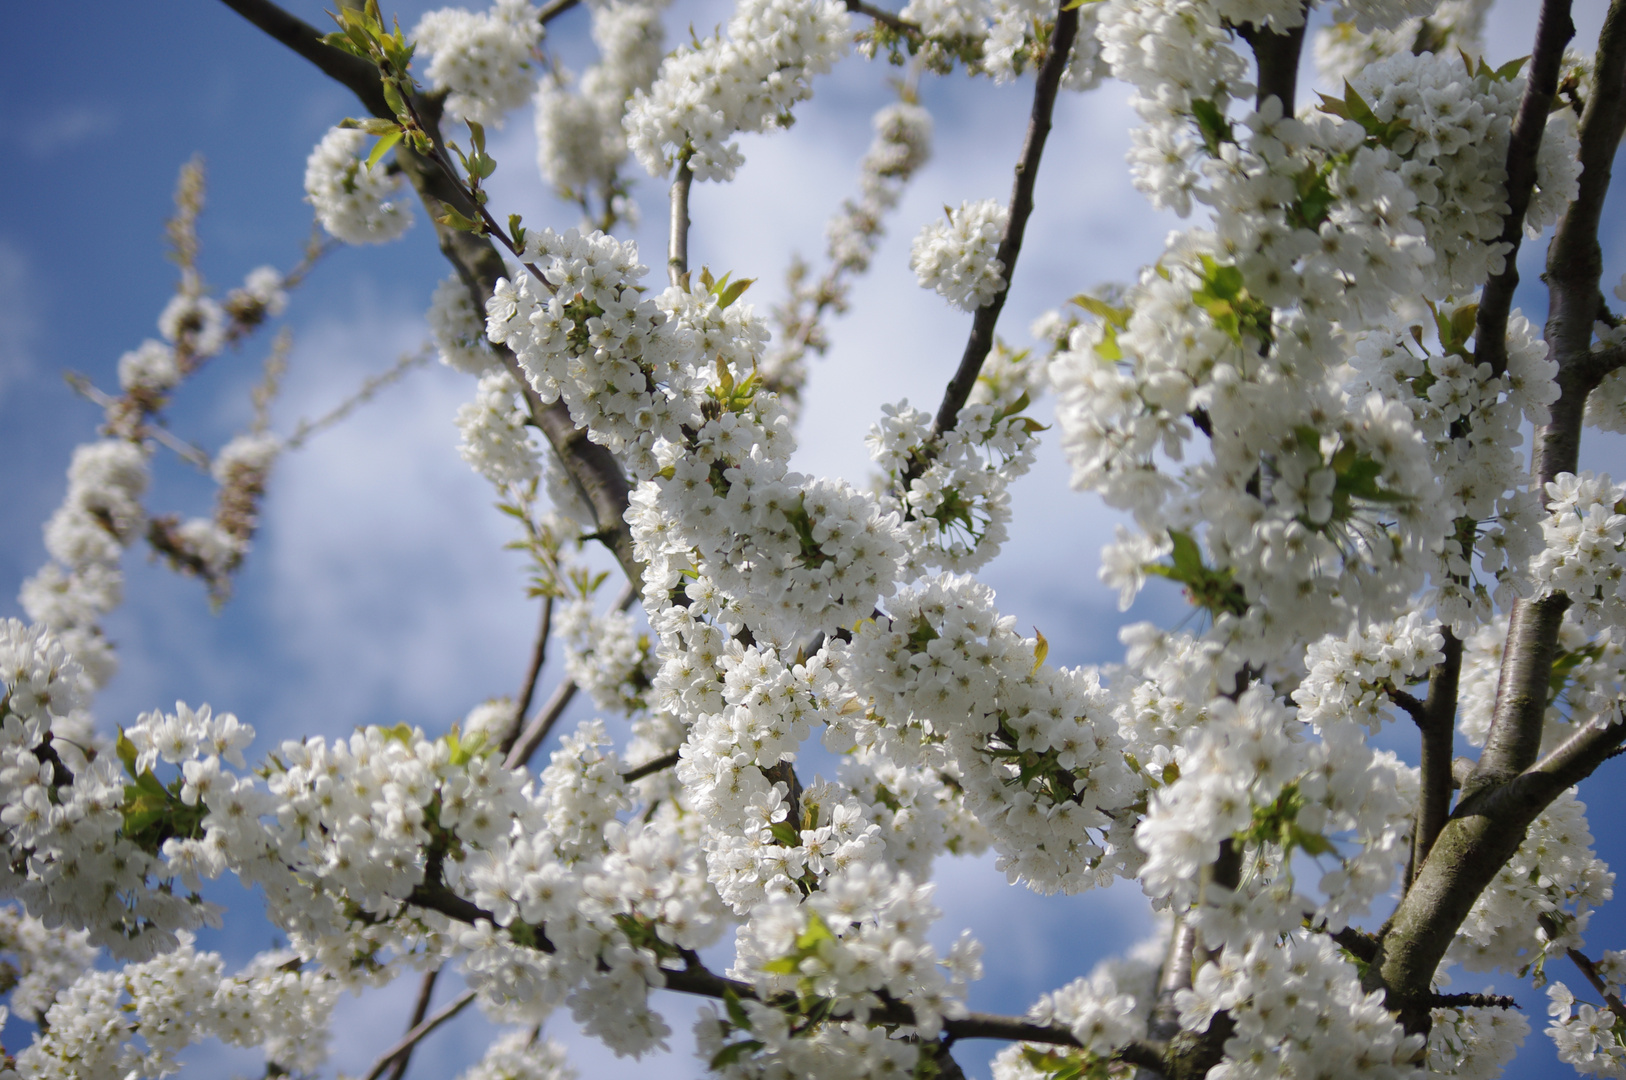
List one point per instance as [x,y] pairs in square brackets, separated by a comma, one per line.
[416,1035]
[1277,57]
[1437,723]
[981,341]
[553,9]
[1554,29]
[1472,1001]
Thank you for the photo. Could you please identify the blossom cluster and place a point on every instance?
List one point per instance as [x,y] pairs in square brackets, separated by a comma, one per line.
[356,203]
[958,259]
[708,92]
[481,61]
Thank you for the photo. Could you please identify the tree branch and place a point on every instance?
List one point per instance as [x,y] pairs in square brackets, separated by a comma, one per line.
[1554,29]
[983,322]
[1475,1001]
[1437,723]
[1277,57]
[885,18]
[539,655]
[592,468]
[1590,970]
[677,259]
[536,733]
[650,768]
[420,1008]
[553,9]
[416,1035]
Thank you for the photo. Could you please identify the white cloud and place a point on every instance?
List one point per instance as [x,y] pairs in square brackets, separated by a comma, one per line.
[64,128]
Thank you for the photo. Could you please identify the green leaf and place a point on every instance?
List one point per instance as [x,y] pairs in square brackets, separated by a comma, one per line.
[457,221]
[736,1011]
[477,135]
[731,1053]
[392,98]
[733,291]
[516,231]
[1510,70]
[785,834]
[785,965]
[127,753]
[1212,124]
[382,147]
[1041,649]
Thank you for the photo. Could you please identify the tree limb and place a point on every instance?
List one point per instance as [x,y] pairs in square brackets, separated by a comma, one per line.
[1437,723]
[1277,57]
[981,341]
[1590,970]
[1554,28]
[677,259]
[592,468]
[650,768]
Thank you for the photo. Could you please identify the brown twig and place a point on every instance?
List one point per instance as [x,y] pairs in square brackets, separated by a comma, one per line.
[420,1008]
[539,655]
[1590,970]
[981,341]
[677,259]
[417,1034]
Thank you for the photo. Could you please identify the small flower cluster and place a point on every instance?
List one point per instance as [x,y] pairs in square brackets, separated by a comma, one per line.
[854,947]
[958,258]
[1343,50]
[1298,1006]
[357,204]
[1554,878]
[1585,553]
[946,680]
[1351,678]
[1247,774]
[480,60]
[173,1001]
[708,92]
[496,442]
[459,330]
[956,505]
[1587,1036]
[1001,39]
[1471,422]
[86,537]
[45,960]
[607,656]
[520,1055]
[1474,1043]
[580,138]
[585,334]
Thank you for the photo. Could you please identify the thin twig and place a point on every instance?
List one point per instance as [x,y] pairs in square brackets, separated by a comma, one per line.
[650,768]
[1590,970]
[416,1035]
[981,341]
[539,655]
[420,1008]
[536,733]
[886,18]
[364,393]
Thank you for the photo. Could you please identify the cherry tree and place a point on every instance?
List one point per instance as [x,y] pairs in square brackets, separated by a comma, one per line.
[1311,410]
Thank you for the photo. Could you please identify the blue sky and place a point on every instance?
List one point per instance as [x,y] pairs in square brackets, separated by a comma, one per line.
[378,590]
